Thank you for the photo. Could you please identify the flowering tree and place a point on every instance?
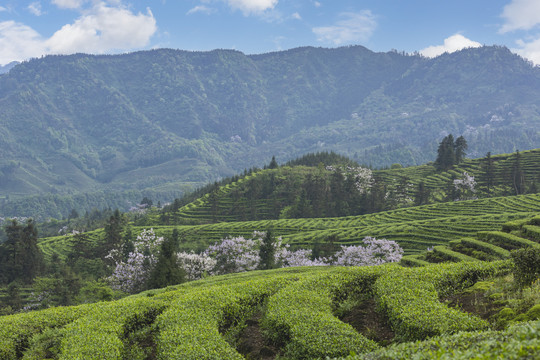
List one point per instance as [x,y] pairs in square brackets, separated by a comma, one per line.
[301,257]
[363,177]
[235,254]
[465,187]
[196,265]
[131,275]
[375,252]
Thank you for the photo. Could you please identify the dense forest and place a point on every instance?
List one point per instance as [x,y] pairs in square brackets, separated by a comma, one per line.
[167,121]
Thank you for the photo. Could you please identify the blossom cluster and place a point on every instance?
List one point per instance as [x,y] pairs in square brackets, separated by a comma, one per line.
[363,177]
[196,266]
[465,186]
[239,254]
[131,275]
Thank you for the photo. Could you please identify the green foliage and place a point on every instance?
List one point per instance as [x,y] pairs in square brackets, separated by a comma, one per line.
[20,257]
[526,265]
[410,297]
[349,100]
[167,270]
[520,341]
[267,251]
[299,316]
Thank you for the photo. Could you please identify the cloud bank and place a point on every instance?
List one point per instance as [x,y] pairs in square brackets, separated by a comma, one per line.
[353,27]
[451,44]
[101,28]
[252,7]
[520,15]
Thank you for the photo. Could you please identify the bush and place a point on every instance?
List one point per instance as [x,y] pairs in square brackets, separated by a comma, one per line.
[526,266]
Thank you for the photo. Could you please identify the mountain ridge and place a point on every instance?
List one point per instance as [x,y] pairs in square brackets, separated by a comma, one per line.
[82,123]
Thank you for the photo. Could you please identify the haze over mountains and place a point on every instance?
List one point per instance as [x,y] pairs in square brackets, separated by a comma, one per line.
[159,119]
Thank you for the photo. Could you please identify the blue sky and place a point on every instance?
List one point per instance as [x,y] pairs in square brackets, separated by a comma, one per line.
[32,28]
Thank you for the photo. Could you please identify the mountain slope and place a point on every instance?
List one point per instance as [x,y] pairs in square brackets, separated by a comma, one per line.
[167,117]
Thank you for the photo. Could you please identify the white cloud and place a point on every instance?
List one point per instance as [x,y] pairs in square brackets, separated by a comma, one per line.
[296,16]
[529,50]
[352,28]
[104,29]
[453,43]
[35,8]
[520,15]
[317,4]
[2,8]
[201,9]
[99,29]
[19,42]
[252,7]
[68,4]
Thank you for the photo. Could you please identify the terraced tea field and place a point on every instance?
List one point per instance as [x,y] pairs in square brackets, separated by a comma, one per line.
[301,311]
[227,205]
[415,228]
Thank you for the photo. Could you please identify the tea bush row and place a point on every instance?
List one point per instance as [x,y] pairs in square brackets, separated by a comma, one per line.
[299,317]
[505,240]
[520,341]
[410,298]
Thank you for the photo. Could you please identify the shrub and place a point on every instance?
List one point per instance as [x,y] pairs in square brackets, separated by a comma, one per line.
[526,265]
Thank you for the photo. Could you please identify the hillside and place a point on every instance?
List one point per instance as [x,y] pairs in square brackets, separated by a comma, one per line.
[165,119]
[313,191]
[296,313]
[415,229]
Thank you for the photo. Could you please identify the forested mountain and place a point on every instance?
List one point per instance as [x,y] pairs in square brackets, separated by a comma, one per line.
[163,119]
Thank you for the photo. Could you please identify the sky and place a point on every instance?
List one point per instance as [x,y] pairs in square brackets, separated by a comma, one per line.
[33,28]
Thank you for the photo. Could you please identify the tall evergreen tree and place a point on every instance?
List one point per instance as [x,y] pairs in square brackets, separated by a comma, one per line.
[422,194]
[273,163]
[114,229]
[446,156]
[460,146]
[489,173]
[267,252]
[167,270]
[21,257]
[518,176]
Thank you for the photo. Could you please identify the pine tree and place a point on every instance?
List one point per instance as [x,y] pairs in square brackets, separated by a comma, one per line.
[167,270]
[518,176]
[267,252]
[113,232]
[489,173]
[446,156]
[459,149]
[21,257]
[273,163]
[422,194]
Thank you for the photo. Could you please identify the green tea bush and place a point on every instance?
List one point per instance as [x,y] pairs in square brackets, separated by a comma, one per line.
[506,240]
[99,334]
[17,330]
[526,265]
[532,231]
[300,316]
[190,328]
[520,341]
[410,297]
[486,247]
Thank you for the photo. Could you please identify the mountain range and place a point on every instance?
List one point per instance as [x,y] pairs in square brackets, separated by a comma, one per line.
[167,120]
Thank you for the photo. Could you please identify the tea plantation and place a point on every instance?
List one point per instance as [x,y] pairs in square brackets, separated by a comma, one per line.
[296,310]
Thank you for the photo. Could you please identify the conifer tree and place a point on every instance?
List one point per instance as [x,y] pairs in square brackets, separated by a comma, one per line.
[167,270]
[273,163]
[489,172]
[518,176]
[459,149]
[267,251]
[21,257]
